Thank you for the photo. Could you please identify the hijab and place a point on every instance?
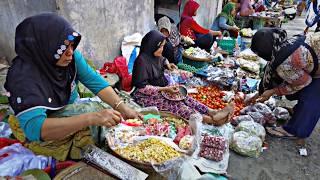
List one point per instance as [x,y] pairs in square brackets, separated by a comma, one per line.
[273,45]
[190,9]
[226,12]
[149,69]
[34,79]
[164,23]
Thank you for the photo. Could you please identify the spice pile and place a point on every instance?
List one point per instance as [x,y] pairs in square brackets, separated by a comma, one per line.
[151,150]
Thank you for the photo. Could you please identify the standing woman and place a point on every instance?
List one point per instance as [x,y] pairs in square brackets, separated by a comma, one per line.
[246,8]
[43,79]
[292,70]
[203,38]
[225,20]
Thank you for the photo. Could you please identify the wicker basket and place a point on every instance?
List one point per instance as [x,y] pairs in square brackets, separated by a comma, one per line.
[147,167]
[227,45]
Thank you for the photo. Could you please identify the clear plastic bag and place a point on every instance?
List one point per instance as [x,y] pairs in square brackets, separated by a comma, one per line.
[246,144]
[20,159]
[253,128]
[257,117]
[235,121]
[5,130]
[281,113]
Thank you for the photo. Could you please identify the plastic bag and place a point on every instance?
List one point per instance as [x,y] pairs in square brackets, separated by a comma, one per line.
[263,109]
[257,117]
[235,121]
[16,159]
[281,113]
[5,130]
[271,103]
[246,144]
[253,128]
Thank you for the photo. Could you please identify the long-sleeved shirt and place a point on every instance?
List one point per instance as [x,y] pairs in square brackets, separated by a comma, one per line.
[220,24]
[31,121]
[189,27]
[295,71]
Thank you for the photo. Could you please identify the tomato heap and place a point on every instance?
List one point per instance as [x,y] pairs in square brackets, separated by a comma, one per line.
[211,96]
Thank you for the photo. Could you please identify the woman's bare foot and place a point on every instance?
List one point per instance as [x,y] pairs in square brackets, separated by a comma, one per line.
[207,119]
[223,116]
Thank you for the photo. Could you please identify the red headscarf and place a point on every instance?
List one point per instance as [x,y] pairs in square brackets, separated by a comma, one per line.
[190,9]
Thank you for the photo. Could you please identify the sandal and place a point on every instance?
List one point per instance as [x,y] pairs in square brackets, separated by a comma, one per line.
[279,133]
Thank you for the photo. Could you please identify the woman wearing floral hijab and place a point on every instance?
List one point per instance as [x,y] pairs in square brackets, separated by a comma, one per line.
[43,79]
[148,77]
[292,70]
[203,38]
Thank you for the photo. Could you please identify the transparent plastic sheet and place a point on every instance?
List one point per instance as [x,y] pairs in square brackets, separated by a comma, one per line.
[107,162]
[257,117]
[237,120]
[253,128]
[263,109]
[209,166]
[246,144]
[152,109]
[195,82]
[5,130]
[170,169]
[20,159]
[272,103]
[282,113]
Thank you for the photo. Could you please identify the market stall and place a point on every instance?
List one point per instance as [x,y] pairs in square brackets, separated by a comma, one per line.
[163,145]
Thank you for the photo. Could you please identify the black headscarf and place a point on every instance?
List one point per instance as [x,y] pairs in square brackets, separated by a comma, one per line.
[148,69]
[272,45]
[34,79]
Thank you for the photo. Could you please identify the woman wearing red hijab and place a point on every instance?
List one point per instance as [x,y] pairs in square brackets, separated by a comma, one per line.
[202,37]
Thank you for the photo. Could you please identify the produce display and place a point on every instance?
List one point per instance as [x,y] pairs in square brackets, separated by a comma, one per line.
[212,147]
[212,97]
[198,53]
[246,144]
[246,32]
[151,150]
[152,140]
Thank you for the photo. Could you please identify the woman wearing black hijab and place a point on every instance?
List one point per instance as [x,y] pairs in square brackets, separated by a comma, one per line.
[292,70]
[148,77]
[43,79]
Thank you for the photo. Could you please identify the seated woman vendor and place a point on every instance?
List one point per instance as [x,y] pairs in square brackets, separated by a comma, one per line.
[148,77]
[246,8]
[225,20]
[43,79]
[203,38]
[172,48]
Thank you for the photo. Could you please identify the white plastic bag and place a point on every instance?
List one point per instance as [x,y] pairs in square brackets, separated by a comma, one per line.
[253,128]
[246,144]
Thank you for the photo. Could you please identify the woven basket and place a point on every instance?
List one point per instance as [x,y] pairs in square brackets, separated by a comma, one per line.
[227,45]
[147,167]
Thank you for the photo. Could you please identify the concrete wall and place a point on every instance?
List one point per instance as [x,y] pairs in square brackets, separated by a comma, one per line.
[12,12]
[102,23]
[207,12]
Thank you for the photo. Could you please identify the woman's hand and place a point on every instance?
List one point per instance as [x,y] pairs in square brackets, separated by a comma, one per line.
[129,113]
[215,33]
[169,89]
[266,95]
[106,117]
[172,66]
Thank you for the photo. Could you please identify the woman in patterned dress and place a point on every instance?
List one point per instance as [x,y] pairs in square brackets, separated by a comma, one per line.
[148,77]
[292,70]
